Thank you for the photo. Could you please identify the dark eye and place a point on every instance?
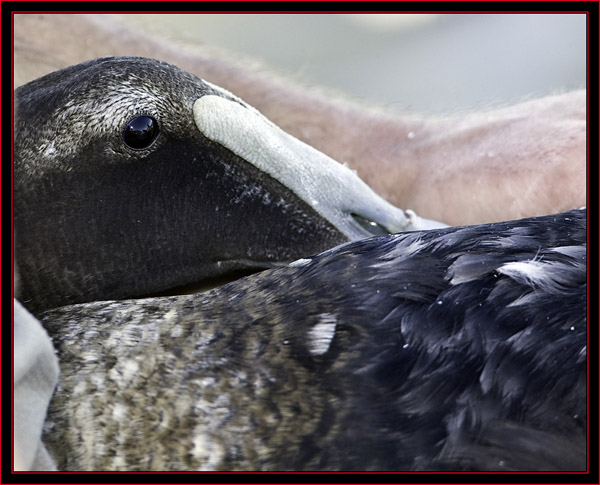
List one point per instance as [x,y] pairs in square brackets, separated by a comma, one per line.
[140,132]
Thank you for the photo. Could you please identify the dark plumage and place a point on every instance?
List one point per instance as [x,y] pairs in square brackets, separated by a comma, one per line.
[453,349]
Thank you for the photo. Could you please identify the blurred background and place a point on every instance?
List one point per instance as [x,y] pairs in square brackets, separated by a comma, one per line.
[425,63]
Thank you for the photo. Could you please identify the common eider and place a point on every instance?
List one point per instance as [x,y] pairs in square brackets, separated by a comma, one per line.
[457,348]
[132,176]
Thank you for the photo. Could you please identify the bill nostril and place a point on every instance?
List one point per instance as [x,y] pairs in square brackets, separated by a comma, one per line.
[371,227]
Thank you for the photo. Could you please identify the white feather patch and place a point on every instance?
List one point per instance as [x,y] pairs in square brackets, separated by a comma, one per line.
[548,276]
[321,335]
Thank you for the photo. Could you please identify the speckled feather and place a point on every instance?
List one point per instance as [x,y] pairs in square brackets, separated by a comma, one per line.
[421,351]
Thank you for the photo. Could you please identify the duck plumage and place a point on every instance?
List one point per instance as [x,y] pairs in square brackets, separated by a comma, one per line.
[450,349]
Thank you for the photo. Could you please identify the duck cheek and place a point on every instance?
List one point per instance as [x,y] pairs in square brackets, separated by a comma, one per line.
[208,214]
[224,210]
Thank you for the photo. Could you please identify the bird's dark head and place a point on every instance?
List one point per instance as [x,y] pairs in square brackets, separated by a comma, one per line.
[132,176]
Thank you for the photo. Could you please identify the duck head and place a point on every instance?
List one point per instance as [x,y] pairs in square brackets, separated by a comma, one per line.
[132,176]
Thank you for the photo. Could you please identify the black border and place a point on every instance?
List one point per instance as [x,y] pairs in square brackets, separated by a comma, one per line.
[8,7]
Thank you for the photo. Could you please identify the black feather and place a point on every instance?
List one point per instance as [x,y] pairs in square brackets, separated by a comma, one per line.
[438,360]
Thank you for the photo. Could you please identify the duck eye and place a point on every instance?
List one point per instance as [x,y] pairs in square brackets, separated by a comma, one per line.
[140,132]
